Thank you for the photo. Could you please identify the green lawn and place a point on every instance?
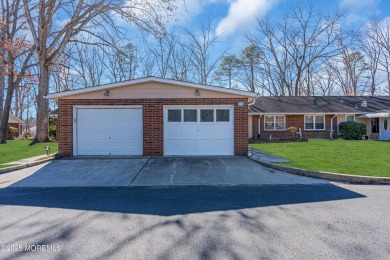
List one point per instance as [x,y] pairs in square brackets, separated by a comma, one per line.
[15,150]
[370,158]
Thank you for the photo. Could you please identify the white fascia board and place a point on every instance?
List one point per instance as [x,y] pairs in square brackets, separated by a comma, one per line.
[150,79]
[302,113]
[20,121]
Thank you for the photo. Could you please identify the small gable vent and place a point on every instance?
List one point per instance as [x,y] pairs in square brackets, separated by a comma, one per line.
[364,103]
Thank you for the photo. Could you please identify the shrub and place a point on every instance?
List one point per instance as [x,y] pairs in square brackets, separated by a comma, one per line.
[294,132]
[352,130]
[53,132]
[12,133]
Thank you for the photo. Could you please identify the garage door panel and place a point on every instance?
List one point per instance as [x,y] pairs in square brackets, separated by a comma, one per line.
[189,147]
[109,131]
[222,146]
[173,131]
[206,147]
[224,132]
[206,131]
[173,147]
[189,131]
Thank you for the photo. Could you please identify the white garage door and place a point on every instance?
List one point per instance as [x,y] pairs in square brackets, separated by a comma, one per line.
[108,131]
[199,130]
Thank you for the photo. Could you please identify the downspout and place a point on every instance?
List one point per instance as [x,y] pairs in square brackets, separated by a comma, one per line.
[258,126]
[252,102]
[331,126]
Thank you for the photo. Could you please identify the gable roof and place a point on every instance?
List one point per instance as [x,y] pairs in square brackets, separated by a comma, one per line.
[59,95]
[319,104]
[15,120]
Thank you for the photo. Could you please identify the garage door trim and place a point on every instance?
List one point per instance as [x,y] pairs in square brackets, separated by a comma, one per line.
[165,113]
[75,108]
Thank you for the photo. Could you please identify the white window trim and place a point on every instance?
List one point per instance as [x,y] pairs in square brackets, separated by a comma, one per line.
[198,108]
[274,116]
[314,122]
[345,118]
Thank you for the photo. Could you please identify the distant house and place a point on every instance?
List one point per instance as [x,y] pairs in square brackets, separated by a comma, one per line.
[318,117]
[53,113]
[15,122]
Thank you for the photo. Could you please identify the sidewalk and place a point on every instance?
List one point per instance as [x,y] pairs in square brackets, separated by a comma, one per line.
[27,162]
[266,157]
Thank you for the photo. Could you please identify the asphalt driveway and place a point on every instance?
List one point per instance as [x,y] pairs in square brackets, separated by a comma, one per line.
[161,171]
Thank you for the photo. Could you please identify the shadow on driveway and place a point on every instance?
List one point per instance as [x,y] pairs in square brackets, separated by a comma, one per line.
[173,200]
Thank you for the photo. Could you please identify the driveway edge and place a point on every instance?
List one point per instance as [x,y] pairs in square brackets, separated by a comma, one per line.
[355,179]
[23,166]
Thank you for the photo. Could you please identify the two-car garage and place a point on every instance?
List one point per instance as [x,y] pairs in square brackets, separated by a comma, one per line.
[188,130]
[152,116]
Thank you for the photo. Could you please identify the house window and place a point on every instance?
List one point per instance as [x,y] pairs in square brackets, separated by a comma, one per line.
[350,118]
[190,115]
[174,115]
[223,115]
[375,125]
[207,115]
[274,123]
[314,122]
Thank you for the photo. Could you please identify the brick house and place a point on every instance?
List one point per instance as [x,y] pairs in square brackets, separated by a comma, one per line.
[15,122]
[318,117]
[152,116]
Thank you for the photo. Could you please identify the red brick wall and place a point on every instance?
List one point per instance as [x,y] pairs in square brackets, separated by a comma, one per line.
[152,120]
[255,131]
[296,121]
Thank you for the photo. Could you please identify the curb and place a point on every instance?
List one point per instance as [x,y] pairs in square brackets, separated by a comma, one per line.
[355,179]
[23,166]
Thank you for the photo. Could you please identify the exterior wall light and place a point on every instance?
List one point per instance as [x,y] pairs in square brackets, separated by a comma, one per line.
[240,103]
[197,92]
[107,93]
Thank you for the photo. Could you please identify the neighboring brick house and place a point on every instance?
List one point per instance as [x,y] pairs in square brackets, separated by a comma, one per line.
[16,123]
[318,117]
[152,116]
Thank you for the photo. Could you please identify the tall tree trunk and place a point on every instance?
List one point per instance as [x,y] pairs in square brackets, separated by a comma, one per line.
[252,77]
[2,79]
[42,132]
[5,113]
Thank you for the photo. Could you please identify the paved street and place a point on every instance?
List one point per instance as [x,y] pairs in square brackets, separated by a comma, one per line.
[319,221]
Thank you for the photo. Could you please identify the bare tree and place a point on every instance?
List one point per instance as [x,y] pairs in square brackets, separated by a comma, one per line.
[293,47]
[378,34]
[162,51]
[16,56]
[350,67]
[199,47]
[325,81]
[63,75]
[122,63]
[180,67]
[94,18]
[372,51]
[89,64]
